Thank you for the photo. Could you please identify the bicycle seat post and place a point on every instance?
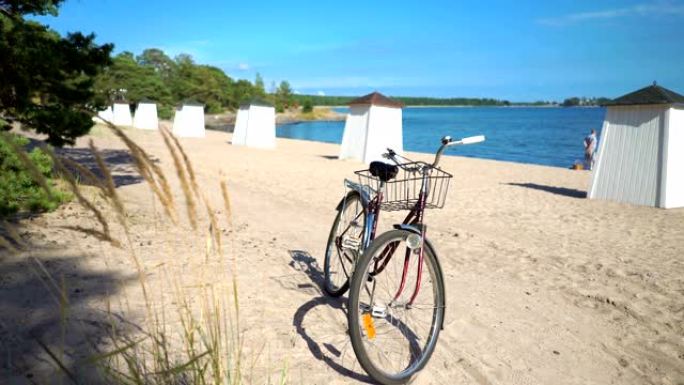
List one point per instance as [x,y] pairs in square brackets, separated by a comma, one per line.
[381,188]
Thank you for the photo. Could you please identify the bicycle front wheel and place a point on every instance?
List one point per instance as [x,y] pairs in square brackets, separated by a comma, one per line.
[345,243]
[393,336]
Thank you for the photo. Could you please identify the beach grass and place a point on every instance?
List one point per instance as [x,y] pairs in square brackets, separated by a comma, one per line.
[207,347]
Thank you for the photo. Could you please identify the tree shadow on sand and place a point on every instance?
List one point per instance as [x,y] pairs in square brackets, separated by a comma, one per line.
[321,313]
[49,324]
[564,191]
[120,162]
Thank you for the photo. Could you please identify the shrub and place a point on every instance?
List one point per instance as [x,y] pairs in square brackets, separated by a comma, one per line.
[19,189]
[307,106]
[165,111]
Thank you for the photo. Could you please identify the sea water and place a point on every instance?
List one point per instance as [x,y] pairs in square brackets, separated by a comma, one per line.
[547,136]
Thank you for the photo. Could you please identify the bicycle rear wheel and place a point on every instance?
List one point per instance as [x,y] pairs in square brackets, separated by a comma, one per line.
[392,337]
[345,243]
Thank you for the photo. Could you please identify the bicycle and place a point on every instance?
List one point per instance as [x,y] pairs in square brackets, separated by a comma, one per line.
[382,333]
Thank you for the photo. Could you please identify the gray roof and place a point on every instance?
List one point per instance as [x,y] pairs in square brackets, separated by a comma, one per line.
[653,94]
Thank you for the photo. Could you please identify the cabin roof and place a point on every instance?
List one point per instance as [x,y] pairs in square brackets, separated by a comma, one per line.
[376,99]
[653,94]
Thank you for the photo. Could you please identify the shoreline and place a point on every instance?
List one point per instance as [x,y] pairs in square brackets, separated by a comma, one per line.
[484,106]
[416,155]
[569,167]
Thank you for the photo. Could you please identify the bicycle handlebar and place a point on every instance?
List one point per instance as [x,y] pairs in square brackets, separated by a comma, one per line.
[446,142]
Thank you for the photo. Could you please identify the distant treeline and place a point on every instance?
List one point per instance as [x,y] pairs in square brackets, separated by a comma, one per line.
[319,100]
[407,100]
[575,102]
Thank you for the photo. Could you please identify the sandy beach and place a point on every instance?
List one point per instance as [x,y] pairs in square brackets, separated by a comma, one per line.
[543,285]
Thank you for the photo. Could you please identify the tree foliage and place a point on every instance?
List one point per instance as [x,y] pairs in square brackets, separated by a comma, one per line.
[47,80]
[575,101]
[125,79]
[259,88]
[283,96]
[571,102]
[153,75]
[24,7]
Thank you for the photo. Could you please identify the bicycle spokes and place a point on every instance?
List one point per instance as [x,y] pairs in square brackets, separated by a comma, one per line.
[344,243]
[396,325]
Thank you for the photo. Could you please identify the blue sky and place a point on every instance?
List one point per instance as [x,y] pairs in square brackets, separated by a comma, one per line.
[515,50]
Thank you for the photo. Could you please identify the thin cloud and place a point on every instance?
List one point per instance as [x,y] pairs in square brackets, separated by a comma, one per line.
[642,10]
[243,67]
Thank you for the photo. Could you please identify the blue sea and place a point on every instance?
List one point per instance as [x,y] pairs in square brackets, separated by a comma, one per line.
[547,136]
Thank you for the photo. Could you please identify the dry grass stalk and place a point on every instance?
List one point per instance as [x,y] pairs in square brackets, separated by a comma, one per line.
[150,172]
[185,186]
[188,164]
[12,234]
[87,175]
[226,200]
[93,233]
[121,213]
[214,230]
[71,181]
[7,245]
[110,187]
[49,282]
[236,302]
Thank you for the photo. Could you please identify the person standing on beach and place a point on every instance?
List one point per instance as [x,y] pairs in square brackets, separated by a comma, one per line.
[590,149]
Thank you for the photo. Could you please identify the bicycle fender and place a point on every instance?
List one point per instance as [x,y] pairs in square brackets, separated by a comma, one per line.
[440,275]
[365,191]
[365,198]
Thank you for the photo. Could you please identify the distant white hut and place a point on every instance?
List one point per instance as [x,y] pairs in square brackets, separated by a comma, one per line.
[373,125]
[641,150]
[189,121]
[104,115]
[255,125]
[146,116]
[122,114]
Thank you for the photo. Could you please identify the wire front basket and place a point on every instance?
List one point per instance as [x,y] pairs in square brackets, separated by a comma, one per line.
[402,192]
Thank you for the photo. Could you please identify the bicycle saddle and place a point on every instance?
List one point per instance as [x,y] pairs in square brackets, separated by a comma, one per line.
[383,171]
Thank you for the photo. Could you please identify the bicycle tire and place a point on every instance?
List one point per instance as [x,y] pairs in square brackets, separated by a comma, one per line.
[354,202]
[389,323]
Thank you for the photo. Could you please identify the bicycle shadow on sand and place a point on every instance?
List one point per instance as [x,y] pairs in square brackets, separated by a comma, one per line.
[325,311]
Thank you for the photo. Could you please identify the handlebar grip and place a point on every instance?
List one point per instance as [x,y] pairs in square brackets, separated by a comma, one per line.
[473,139]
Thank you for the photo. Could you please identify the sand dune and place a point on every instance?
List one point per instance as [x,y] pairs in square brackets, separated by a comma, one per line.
[543,286]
